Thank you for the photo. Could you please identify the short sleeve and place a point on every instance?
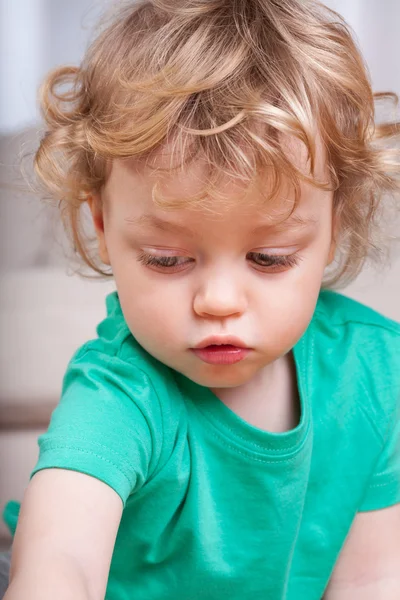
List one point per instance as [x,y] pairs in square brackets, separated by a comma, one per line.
[107,424]
[384,485]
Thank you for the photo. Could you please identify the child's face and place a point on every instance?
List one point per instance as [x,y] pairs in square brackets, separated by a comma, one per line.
[216,281]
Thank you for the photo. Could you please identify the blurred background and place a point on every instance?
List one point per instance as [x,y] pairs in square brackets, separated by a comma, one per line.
[47,311]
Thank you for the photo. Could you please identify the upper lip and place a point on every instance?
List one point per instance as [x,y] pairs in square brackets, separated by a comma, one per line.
[221,340]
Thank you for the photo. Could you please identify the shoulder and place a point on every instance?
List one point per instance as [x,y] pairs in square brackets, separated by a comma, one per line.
[120,364]
[115,344]
[358,329]
[360,348]
[343,310]
[118,413]
[353,323]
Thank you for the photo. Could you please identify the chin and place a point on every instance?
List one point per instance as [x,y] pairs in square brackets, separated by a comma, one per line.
[222,377]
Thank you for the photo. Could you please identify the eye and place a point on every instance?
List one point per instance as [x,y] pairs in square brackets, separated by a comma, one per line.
[165,263]
[273,262]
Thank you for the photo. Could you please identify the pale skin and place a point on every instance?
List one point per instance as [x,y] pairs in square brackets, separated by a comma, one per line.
[218,283]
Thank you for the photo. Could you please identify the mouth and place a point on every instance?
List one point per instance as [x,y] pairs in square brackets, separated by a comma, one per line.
[221,341]
[221,350]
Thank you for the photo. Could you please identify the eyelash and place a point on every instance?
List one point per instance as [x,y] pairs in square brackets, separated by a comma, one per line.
[272,260]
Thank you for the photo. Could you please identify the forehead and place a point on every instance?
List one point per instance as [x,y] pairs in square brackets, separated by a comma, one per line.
[135,183]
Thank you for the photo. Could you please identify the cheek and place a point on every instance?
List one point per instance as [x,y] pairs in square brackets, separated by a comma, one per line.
[154,311]
[154,307]
[288,309]
[290,321]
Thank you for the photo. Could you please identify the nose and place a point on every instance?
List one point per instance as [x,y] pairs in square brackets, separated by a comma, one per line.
[219,296]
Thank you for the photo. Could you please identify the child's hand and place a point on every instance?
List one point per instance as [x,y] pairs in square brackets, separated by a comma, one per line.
[65,538]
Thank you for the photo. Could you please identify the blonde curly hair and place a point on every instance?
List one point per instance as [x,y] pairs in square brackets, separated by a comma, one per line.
[226,80]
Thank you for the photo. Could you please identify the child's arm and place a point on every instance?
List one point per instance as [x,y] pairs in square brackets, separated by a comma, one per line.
[368,567]
[65,538]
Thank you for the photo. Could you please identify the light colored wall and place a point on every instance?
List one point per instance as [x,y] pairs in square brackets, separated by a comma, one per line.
[35,36]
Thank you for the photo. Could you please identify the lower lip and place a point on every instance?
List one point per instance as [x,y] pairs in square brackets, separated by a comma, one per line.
[221,355]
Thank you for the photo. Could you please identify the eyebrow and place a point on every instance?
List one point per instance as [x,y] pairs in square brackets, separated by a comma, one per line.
[161,224]
[292,223]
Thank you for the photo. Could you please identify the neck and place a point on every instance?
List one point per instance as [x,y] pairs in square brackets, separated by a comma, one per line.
[269,400]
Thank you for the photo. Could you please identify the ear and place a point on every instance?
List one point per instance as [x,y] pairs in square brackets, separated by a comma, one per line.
[95,205]
[333,246]
[332,252]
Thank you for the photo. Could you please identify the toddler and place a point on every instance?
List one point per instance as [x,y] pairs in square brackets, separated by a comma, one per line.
[233,431]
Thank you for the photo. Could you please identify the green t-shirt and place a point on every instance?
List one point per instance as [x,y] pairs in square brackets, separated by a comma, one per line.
[213,506]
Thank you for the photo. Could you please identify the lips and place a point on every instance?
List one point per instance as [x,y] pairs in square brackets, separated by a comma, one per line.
[221,341]
[219,350]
